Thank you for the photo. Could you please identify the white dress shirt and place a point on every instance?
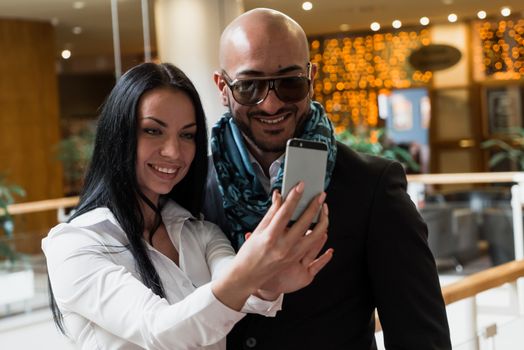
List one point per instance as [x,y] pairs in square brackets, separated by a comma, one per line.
[267,182]
[105,305]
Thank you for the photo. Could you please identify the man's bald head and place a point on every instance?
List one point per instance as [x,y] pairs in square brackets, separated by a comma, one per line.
[264,43]
[259,30]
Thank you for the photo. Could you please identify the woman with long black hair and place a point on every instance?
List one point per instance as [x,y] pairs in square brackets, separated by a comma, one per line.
[135,266]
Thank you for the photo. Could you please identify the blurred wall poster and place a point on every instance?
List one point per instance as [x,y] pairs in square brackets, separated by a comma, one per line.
[407,114]
[504,107]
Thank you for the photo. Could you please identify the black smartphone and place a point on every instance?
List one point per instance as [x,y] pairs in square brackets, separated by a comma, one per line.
[305,161]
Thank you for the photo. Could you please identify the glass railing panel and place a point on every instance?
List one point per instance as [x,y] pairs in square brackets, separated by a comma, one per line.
[23,280]
[509,335]
[471,344]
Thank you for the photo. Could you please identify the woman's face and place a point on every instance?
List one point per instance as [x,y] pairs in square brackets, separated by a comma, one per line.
[165,141]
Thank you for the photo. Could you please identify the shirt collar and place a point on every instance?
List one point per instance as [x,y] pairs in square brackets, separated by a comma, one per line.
[267,182]
[171,212]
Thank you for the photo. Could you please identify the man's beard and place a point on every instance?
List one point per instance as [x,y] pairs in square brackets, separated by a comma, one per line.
[245,127]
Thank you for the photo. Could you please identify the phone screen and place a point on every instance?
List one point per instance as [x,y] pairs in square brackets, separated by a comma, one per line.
[305,161]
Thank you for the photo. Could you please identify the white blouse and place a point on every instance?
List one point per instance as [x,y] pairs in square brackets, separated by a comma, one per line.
[105,305]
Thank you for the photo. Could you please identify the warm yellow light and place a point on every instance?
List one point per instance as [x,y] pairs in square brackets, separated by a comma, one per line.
[424,21]
[396,24]
[78,5]
[452,17]
[482,14]
[66,54]
[375,26]
[505,11]
[306,6]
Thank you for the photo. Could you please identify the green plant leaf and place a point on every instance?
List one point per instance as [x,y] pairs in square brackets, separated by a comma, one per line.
[497,158]
[8,192]
[359,140]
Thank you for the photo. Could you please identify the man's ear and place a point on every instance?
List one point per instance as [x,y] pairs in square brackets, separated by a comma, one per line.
[222,87]
[314,68]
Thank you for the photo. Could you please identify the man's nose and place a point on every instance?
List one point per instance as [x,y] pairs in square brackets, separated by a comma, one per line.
[271,103]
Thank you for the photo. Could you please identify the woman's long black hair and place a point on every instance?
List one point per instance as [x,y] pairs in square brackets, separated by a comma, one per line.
[111,180]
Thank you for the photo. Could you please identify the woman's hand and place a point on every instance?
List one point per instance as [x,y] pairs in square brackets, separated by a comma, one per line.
[274,248]
[300,273]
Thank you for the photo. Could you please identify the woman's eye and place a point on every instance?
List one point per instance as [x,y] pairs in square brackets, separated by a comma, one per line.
[152,131]
[188,136]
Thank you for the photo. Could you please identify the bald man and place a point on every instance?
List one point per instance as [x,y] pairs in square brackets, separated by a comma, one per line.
[381,259]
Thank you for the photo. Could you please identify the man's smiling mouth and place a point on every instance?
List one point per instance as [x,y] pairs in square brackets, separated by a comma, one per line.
[271,121]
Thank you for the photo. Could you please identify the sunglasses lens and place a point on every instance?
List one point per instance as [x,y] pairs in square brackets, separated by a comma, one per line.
[292,89]
[250,92]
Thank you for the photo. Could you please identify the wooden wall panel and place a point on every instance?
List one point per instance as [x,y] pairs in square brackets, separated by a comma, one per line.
[29,121]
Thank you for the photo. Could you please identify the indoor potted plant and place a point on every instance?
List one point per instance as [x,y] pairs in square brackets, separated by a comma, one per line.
[374,141]
[510,148]
[75,153]
[16,273]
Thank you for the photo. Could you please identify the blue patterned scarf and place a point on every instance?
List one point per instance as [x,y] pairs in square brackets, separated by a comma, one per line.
[245,200]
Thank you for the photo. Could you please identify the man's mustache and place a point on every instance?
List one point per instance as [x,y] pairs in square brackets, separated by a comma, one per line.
[261,114]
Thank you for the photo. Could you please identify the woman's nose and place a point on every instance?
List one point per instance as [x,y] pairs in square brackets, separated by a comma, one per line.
[170,149]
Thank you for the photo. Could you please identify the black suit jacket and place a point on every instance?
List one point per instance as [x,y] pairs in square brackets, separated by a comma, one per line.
[381,260]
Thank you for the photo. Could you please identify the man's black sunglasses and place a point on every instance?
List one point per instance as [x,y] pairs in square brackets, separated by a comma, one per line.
[253,90]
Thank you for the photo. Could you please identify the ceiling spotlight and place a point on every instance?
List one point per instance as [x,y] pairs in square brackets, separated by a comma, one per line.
[375,26]
[306,6]
[396,24]
[482,14]
[77,30]
[452,18]
[344,27]
[78,5]
[505,11]
[66,54]
[424,21]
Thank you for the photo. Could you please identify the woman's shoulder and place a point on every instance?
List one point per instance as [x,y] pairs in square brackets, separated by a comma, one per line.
[97,227]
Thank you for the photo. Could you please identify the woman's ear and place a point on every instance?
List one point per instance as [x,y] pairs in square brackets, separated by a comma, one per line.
[222,87]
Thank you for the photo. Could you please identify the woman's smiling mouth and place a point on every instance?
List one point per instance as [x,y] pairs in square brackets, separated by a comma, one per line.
[165,172]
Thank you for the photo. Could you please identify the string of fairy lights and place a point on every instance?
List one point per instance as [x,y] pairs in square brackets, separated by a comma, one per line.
[355,69]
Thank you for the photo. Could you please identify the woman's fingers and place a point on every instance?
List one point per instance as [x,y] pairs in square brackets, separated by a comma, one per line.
[304,221]
[283,215]
[313,251]
[308,245]
[273,209]
[319,263]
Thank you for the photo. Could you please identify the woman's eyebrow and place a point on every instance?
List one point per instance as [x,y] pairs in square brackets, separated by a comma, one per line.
[189,126]
[162,123]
